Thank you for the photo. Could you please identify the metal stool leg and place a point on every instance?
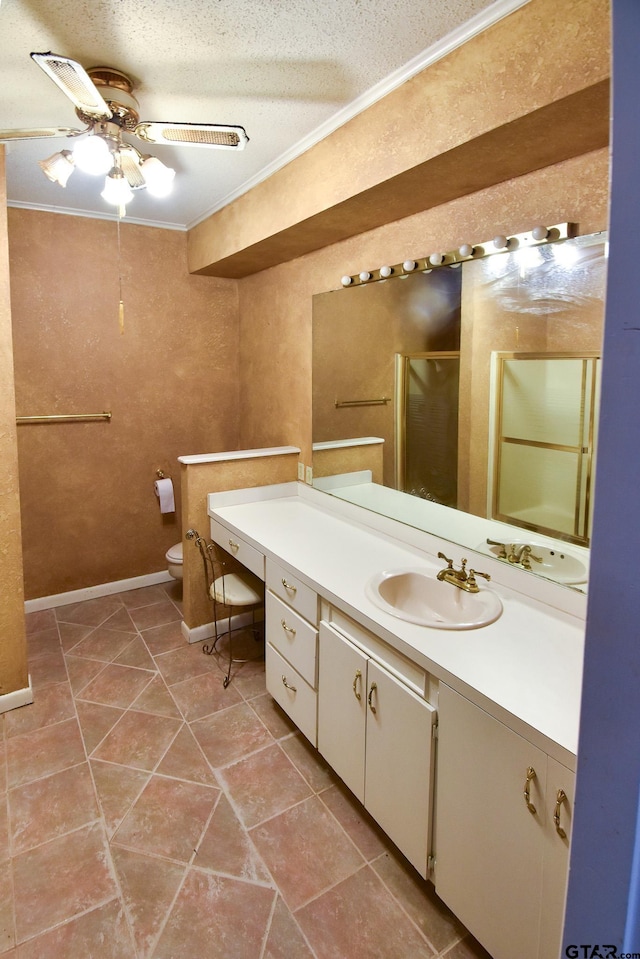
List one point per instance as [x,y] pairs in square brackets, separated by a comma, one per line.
[227,678]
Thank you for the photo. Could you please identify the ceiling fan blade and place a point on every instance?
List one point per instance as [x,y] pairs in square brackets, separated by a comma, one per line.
[130,166]
[220,136]
[39,133]
[75,82]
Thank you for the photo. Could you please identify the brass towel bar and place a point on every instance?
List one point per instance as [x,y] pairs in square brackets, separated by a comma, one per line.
[381,402]
[63,418]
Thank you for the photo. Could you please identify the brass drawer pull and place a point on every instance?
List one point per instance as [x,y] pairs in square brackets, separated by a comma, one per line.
[287,629]
[357,679]
[234,547]
[288,685]
[372,690]
[531,775]
[289,586]
[561,797]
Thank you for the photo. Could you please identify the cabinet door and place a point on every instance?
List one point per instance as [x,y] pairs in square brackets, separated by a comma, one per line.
[488,843]
[342,676]
[399,764]
[556,857]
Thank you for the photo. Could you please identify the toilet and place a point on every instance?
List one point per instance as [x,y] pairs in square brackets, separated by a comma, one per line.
[174,560]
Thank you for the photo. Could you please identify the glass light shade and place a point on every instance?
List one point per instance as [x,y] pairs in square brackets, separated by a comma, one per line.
[157,176]
[92,155]
[116,189]
[58,167]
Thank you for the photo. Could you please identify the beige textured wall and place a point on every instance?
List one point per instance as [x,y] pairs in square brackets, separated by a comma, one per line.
[490,110]
[13,648]
[350,459]
[89,513]
[276,305]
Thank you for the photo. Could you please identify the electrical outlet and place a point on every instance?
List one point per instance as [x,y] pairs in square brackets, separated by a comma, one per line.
[301,471]
[309,475]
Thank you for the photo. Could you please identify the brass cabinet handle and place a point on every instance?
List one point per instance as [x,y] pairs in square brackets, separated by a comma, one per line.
[287,629]
[372,690]
[531,775]
[356,679]
[561,797]
[289,586]
[234,547]
[288,685]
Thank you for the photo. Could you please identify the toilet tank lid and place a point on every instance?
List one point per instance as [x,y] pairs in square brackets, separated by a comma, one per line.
[174,553]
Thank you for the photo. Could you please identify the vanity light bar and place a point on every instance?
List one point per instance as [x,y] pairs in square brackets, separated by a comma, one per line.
[538,236]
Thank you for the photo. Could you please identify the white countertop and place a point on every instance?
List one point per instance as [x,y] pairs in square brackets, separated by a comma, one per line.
[525,669]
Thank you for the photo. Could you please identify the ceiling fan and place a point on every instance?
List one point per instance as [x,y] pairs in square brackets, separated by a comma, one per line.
[104,102]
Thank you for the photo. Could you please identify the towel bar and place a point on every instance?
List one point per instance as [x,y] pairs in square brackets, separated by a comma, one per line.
[63,418]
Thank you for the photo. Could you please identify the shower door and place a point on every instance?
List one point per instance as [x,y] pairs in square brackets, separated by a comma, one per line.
[544,442]
[427,425]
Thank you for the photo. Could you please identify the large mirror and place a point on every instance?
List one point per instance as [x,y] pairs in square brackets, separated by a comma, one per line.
[463,400]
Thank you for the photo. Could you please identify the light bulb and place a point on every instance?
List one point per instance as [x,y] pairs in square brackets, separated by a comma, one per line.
[58,167]
[116,189]
[409,265]
[346,281]
[500,242]
[157,176]
[466,250]
[436,259]
[364,276]
[540,233]
[92,155]
[386,271]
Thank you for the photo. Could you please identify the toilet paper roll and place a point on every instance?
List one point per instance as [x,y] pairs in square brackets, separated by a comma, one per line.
[164,492]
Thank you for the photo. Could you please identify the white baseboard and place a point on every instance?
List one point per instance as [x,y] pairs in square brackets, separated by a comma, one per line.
[92,592]
[19,697]
[197,634]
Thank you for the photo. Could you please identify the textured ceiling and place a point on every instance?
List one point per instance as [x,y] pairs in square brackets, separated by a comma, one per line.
[286,70]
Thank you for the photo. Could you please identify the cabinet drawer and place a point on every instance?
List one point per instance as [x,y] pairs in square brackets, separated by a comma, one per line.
[293,637]
[292,693]
[294,593]
[248,555]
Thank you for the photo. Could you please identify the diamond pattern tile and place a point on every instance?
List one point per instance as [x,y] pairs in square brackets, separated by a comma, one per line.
[148,813]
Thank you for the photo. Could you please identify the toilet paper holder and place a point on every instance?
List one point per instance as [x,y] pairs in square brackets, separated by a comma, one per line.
[160,474]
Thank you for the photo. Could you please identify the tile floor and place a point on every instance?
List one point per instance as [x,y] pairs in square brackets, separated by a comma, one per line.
[148,813]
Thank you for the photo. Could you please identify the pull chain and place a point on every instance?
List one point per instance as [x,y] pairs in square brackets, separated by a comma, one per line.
[121,303]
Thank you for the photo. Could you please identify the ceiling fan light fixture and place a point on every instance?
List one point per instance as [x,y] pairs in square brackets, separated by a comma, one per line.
[116,189]
[58,167]
[158,177]
[92,155]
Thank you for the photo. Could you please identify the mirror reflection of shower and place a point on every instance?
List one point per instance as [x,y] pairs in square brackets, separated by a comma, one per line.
[543,442]
[427,426]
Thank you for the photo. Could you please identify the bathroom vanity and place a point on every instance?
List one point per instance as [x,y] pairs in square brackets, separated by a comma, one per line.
[460,742]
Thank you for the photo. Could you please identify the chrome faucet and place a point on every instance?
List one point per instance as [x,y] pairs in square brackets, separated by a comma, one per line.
[462,578]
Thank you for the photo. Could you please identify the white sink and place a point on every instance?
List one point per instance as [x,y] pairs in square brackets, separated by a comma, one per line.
[554,563]
[416,596]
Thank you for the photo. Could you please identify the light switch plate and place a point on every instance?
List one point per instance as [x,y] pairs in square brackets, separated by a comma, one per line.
[309,475]
[301,471]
